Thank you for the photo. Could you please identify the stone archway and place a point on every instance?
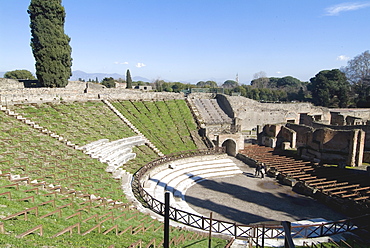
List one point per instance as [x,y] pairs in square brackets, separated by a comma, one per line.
[230,146]
[232,143]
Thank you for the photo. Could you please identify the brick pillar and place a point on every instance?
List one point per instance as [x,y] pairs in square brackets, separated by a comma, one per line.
[360,147]
[293,142]
[351,161]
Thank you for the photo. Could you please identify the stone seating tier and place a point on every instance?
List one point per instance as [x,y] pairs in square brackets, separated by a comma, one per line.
[179,176]
[107,149]
[114,153]
[93,145]
[122,160]
[98,148]
[211,112]
[114,156]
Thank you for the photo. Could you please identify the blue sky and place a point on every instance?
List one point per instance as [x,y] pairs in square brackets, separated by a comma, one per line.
[193,40]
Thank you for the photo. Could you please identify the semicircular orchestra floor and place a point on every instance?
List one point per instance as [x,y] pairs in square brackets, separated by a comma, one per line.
[245,199]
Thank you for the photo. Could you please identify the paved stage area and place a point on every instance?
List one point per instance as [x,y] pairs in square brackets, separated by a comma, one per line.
[245,199]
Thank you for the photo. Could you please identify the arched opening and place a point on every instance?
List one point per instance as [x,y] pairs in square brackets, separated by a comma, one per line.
[230,146]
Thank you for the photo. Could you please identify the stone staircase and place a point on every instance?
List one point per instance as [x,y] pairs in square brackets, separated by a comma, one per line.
[147,141]
[180,175]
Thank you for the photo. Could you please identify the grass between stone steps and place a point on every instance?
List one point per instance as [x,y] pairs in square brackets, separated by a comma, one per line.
[29,153]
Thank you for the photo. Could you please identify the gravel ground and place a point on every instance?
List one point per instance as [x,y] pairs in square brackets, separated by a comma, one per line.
[245,199]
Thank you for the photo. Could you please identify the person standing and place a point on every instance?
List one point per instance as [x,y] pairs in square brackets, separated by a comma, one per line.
[262,170]
[258,170]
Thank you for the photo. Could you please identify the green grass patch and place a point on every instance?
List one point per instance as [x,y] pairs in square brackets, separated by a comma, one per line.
[29,153]
[167,124]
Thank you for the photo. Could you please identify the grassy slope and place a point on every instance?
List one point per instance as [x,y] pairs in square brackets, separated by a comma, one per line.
[166,123]
[29,153]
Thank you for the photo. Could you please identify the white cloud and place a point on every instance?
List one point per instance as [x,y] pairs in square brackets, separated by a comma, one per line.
[278,72]
[337,9]
[342,58]
[139,65]
[121,63]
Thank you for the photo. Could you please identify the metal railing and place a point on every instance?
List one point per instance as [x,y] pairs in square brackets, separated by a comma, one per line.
[252,232]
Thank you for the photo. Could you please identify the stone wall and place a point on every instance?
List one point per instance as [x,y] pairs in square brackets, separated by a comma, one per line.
[326,144]
[10,84]
[75,91]
[236,144]
[350,116]
[302,132]
[252,113]
[224,104]
[287,135]
[365,128]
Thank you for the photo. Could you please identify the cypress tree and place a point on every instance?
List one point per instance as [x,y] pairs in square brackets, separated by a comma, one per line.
[49,43]
[128,80]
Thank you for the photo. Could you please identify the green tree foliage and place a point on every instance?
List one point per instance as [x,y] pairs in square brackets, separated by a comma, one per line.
[140,83]
[288,81]
[207,84]
[19,74]
[109,82]
[330,88]
[229,84]
[49,43]
[262,82]
[279,89]
[161,85]
[273,82]
[128,79]
[358,74]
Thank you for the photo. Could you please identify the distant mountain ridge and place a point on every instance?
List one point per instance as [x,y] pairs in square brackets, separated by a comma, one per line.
[86,76]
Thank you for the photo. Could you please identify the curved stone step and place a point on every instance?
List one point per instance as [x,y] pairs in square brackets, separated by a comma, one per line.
[180,176]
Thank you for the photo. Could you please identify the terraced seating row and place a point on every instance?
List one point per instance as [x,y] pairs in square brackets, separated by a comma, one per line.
[128,123]
[114,153]
[332,181]
[155,121]
[182,174]
[52,215]
[79,196]
[211,112]
[80,123]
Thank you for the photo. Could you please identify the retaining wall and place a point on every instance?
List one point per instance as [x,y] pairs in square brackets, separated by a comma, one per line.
[13,92]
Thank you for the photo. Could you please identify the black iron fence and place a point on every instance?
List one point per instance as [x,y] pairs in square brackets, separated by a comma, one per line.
[252,232]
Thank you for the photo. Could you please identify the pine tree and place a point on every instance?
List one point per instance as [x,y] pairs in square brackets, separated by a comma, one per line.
[49,43]
[128,80]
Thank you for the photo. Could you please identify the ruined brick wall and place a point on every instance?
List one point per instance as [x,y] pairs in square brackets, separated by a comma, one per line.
[303,133]
[335,146]
[253,113]
[330,140]
[365,128]
[287,135]
[337,119]
[328,145]
[272,130]
[362,113]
